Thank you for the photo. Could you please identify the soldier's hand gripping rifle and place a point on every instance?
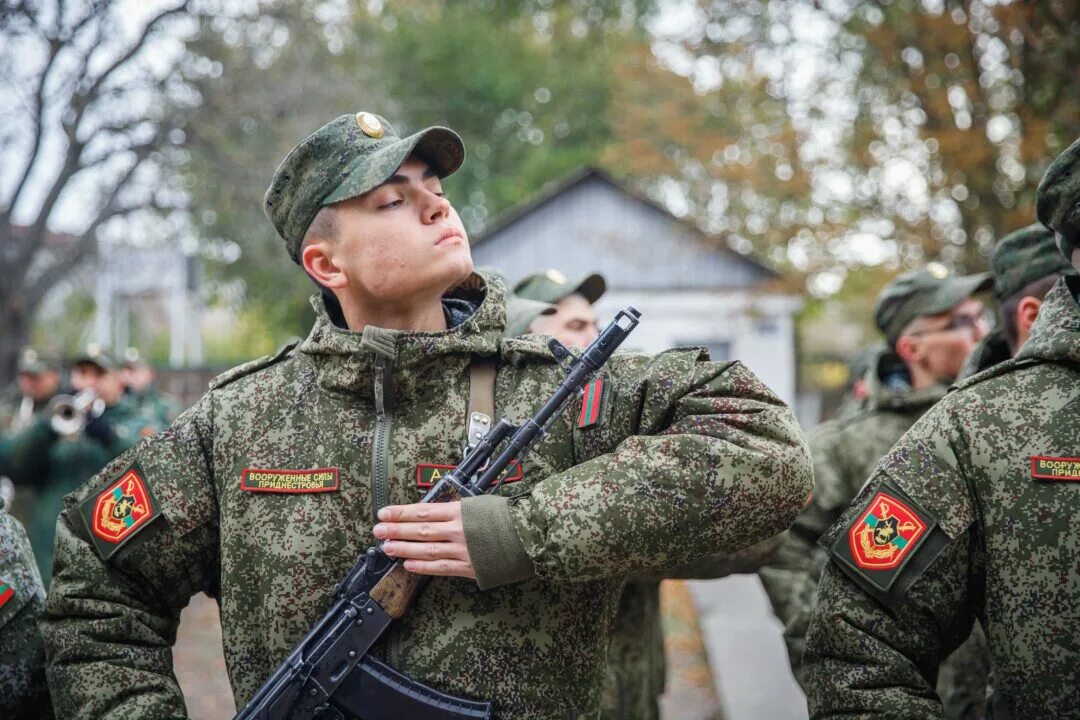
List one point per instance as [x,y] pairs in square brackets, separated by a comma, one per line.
[330,673]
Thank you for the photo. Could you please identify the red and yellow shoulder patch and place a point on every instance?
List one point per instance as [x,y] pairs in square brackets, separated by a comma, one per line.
[119,512]
[877,544]
[885,533]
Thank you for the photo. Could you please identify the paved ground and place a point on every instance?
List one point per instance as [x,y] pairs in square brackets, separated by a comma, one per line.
[726,660]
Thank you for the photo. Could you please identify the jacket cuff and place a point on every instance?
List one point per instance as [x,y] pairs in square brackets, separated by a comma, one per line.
[497,553]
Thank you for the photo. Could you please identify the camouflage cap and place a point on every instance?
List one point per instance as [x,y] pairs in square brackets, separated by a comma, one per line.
[551,286]
[1057,201]
[95,355]
[927,291]
[346,158]
[31,362]
[520,313]
[1024,256]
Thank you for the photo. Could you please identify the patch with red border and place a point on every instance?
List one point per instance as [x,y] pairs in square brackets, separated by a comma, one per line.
[315,480]
[428,474]
[6,593]
[592,404]
[119,512]
[1061,469]
[877,547]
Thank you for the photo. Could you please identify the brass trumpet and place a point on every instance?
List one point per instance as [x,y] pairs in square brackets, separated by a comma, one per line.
[70,413]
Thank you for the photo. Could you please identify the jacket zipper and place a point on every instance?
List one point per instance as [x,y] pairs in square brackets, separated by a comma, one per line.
[380,451]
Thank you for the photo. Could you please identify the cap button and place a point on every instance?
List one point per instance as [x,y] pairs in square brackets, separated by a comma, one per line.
[370,125]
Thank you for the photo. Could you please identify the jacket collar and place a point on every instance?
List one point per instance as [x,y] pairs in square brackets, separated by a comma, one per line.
[1055,336]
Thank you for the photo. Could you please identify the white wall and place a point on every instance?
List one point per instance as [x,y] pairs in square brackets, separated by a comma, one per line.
[760,328]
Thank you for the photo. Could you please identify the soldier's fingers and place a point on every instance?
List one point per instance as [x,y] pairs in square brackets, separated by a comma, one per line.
[422,531]
[426,550]
[449,568]
[419,512]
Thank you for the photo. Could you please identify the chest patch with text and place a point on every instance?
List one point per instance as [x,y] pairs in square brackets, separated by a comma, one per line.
[427,475]
[315,480]
[1062,469]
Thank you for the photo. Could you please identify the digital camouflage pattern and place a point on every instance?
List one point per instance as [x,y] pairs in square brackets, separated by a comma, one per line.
[1001,548]
[347,157]
[23,692]
[692,458]
[1024,256]
[1057,201]
[636,667]
[845,452]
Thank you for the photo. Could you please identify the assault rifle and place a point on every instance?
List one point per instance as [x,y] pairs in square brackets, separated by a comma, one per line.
[330,673]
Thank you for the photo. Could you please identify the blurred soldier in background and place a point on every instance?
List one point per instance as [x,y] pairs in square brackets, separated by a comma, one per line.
[64,447]
[23,692]
[860,365]
[142,391]
[1026,264]
[37,381]
[574,320]
[972,516]
[636,670]
[930,322]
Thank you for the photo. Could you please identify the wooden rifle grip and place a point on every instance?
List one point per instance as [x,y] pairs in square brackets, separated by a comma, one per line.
[395,591]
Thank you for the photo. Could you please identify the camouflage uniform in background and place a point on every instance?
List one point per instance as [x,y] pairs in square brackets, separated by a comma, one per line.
[683,458]
[845,452]
[972,516]
[860,366]
[23,692]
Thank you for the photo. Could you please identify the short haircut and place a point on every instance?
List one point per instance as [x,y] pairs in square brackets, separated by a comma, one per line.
[1009,306]
[323,226]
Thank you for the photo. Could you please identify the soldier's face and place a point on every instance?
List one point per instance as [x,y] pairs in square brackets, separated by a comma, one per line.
[39,386]
[944,341]
[401,240]
[573,323]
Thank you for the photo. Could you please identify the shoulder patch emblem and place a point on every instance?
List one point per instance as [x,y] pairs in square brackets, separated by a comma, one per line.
[6,593]
[316,480]
[592,401]
[427,475]
[885,535]
[119,512]
[1062,469]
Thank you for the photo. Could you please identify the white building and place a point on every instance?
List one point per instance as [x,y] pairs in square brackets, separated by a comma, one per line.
[690,288]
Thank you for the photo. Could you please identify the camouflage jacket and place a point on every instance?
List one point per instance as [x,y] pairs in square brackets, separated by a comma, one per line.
[23,693]
[845,452]
[637,663]
[688,458]
[990,351]
[971,516]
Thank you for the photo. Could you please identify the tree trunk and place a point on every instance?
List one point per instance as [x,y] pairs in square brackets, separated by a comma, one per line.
[14,335]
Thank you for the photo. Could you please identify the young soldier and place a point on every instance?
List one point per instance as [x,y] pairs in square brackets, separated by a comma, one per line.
[930,322]
[971,516]
[1026,264]
[265,491]
[574,320]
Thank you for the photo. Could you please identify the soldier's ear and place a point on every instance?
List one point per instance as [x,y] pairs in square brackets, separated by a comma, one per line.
[1026,312]
[317,259]
[909,349]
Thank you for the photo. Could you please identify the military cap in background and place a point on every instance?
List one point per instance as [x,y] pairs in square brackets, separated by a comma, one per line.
[551,286]
[132,357]
[31,362]
[927,291]
[520,313]
[1057,201]
[96,355]
[1024,256]
[346,158]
